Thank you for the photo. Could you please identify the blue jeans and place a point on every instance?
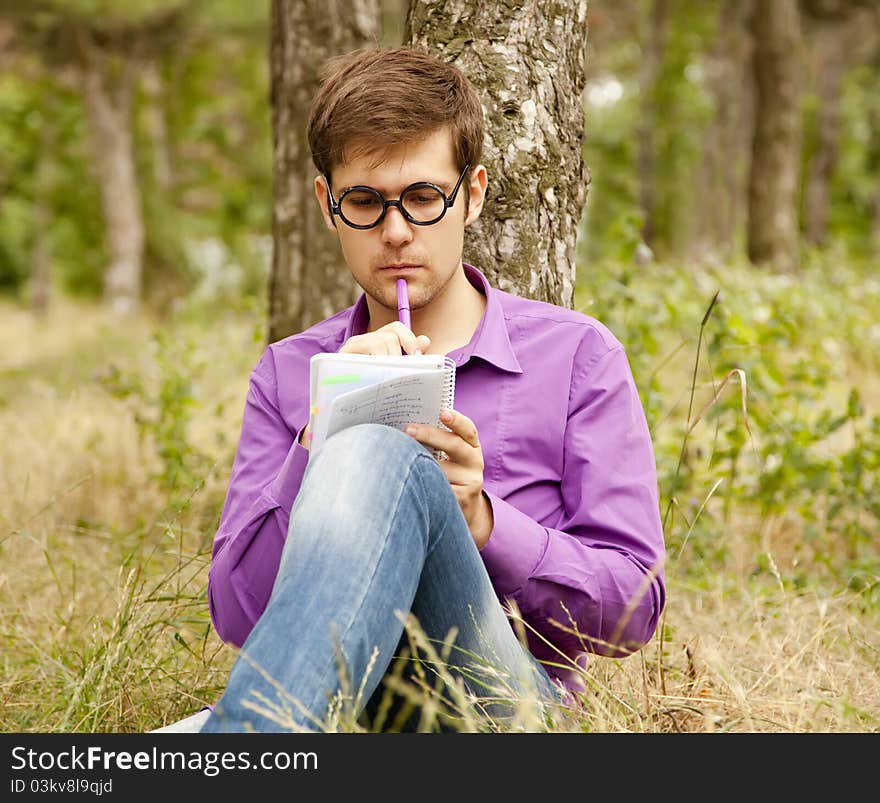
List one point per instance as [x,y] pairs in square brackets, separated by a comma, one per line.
[375,533]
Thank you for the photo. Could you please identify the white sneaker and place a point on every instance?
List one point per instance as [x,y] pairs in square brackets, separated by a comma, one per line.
[191,724]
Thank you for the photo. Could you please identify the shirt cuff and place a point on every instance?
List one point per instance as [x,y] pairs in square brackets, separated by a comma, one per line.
[285,486]
[514,549]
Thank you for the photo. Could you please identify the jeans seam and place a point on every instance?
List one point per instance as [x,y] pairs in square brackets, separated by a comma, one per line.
[356,609]
[431,547]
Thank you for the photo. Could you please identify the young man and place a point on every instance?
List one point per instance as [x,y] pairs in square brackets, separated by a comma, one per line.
[546,503]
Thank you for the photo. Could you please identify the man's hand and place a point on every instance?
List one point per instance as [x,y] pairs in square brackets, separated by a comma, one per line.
[389,340]
[463,468]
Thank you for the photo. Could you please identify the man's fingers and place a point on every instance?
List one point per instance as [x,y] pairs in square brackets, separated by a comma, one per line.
[435,438]
[462,426]
[389,340]
[461,441]
[405,339]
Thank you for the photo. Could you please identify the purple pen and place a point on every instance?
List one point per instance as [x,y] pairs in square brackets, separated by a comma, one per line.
[403,304]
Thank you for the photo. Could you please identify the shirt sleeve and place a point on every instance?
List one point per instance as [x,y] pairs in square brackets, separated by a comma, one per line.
[596,583]
[266,475]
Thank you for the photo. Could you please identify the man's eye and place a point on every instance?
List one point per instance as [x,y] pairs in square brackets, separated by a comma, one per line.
[429,198]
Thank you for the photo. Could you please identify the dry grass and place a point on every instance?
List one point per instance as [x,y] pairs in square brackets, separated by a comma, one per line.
[103,574]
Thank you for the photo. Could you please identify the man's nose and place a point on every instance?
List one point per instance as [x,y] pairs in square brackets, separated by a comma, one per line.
[395,227]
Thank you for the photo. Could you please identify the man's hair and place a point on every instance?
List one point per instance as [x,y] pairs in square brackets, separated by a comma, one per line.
[371,101]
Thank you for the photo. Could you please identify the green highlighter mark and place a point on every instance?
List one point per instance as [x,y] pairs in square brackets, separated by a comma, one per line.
[342,379]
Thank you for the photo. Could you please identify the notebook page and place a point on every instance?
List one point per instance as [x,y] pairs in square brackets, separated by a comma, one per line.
[415,398]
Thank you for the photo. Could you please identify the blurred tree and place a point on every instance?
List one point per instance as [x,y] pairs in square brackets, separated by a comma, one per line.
[873,150]
[24,182]
[307,282]
[394,22]
[156,126]
[838,33]
[681,104]
[41,278]
[105,51]
[204,151]
[193,75]
[773,234]
[656,37]
[527,62]
[722,188]
[649,106]
[107,91]
[612,220]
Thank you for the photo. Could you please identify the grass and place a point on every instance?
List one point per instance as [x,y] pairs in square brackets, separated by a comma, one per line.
[105,536]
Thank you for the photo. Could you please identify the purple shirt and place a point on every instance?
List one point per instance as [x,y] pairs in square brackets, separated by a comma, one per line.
[569,472]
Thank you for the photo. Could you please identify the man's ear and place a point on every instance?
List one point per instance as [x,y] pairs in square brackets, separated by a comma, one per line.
[324,202]
[476,193]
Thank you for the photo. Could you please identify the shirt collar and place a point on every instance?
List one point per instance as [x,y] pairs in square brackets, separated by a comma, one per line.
[490,341]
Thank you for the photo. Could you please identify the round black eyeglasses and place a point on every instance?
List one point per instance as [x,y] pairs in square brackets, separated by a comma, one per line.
[422,204]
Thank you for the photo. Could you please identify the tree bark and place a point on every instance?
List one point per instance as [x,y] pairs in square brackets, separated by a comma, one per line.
[772,234]
[110,119]
[527,63]
[308,280]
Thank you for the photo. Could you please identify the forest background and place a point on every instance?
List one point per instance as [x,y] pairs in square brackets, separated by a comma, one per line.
[754,340]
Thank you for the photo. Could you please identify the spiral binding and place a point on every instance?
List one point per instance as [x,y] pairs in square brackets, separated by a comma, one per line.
[449,387]
[448,402]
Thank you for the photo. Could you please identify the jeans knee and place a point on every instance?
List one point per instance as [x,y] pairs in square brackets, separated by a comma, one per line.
[363,473]
[364,478]
[371,450]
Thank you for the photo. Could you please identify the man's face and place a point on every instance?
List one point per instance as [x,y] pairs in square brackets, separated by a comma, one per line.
[427,256]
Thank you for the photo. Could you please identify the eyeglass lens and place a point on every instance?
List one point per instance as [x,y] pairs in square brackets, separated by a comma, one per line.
[364,207]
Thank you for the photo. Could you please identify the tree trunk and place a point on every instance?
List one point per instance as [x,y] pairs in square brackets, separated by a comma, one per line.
[773,178]
[873,164]
[110,120]
[721,206]
[308,281]
[41,274]
[830,70]
[527,63]
[393,22]
[875,233]
[41,277]
[655,47]
[156,125]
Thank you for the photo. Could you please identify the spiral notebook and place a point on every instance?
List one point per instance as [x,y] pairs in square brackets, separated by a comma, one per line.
[349,389]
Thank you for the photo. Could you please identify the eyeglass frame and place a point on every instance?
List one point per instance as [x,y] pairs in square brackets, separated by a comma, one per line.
[448,202]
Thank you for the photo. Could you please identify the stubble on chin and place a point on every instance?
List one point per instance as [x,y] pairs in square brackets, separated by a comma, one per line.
[429,287]
[383,291]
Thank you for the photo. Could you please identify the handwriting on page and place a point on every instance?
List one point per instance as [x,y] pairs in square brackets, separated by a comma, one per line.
[396,402]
